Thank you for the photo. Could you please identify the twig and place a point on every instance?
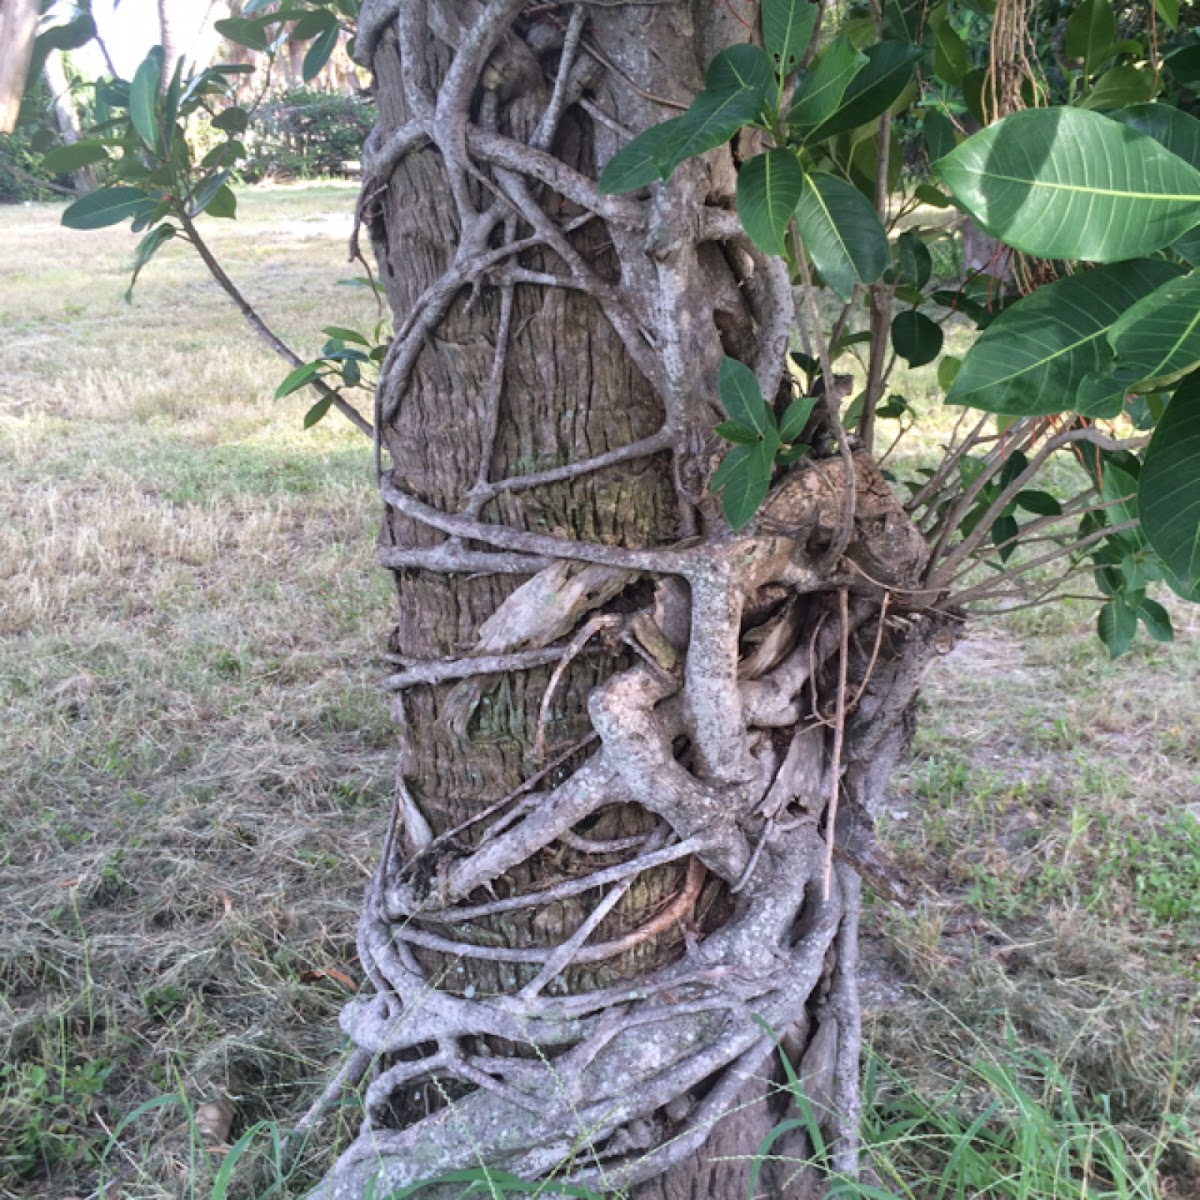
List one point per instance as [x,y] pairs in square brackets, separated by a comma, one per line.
[261,328]
[839,733]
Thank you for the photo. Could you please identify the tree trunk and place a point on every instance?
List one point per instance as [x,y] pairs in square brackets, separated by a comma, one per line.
[66,119]
[18,30]
[609,904]
[170,36]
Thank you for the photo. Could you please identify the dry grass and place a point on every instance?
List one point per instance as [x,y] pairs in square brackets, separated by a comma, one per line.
[195,758]
[196,761]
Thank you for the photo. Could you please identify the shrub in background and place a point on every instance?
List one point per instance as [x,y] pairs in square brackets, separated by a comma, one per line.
[306,133]
[22,176]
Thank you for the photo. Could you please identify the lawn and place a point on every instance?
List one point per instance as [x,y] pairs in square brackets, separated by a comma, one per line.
[196,763]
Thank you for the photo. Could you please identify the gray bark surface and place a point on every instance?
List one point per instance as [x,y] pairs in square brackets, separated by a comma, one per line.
[644,746]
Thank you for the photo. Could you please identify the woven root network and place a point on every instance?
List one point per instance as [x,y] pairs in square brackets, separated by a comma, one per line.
[765,687]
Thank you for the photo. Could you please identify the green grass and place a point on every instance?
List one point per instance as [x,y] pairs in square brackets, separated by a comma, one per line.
[197,769]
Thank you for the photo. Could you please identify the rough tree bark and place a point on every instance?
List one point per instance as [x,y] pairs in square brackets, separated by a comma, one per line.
[640,752]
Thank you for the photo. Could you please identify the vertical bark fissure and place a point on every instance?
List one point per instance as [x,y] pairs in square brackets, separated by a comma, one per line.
[573,964]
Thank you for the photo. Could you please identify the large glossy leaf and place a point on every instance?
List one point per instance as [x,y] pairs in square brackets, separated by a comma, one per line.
[1119,87]
[1169,485]
[320,51]
[64,159]
[742,398]
[639,163]
[939,135]
[842,233]
[916,338]
[735,86]
[818,97]
[143,96]
[787,29]
[1091,34]
[1157,340]
[1065,183]
[107,206]
[872,91]
[1031,359]
[951,61]
[243,32]
[768,190]
[744,478]
[1171,127]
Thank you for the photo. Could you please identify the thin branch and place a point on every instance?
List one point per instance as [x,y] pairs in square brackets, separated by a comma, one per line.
[661,562]
[987,591]
[830,409]
[1002,501]
[654,444]
[467,668]
[260,327]
[839,733]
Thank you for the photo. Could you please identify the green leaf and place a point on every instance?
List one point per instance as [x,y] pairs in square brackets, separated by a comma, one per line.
[842,233]
[872,91]
[320,52]
[819,95]
[201,198]
[742,398]
[938,131]
[740,435]
[1065,183]
[768,189]
[1119,490]
[345,335]
[1184,65]
[1004,533]
[734,93]
[223,203]
[1169,485]
[744,478]
[1117,626]
[947,371]
[243,32]
[313,22]
[916,338]
[787,29]
[1041,504]
[1032,358]
[1156,619]
[143,96]
[914,257]
[1091,34]
[1158,339]
[950,59]
[317,411]
[107,206]
[928,194]
[1171,127]
[233,119]
[294,380]
[639,162]
[1168,12]
[1118,87]
[62,160]
[796,417]
[147,248]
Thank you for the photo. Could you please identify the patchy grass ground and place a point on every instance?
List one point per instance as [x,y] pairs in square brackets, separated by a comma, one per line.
[196,762]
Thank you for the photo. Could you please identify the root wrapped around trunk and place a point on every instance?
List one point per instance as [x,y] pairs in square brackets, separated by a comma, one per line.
[760,691]
[613,928]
